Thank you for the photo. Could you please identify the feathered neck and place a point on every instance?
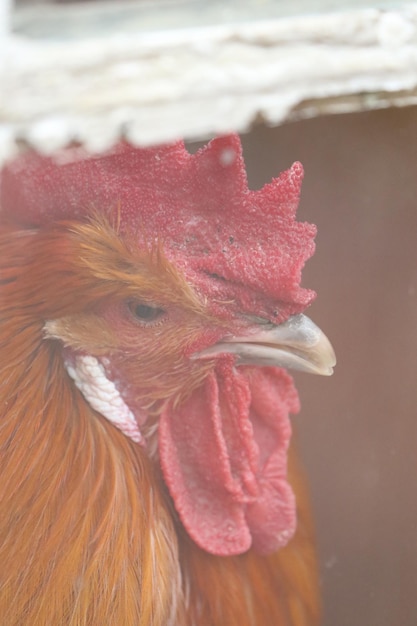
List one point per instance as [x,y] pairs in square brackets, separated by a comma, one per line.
[82,543]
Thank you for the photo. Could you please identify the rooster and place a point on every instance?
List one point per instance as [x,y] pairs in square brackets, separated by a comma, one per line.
[149,307]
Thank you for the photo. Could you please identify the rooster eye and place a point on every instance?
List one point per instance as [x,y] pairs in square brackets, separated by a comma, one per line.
[145,312]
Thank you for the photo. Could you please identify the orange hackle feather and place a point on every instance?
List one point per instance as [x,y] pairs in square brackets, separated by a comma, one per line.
[88,533]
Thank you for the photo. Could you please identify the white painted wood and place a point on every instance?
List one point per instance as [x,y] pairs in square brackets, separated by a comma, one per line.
[92,72]
[5,21]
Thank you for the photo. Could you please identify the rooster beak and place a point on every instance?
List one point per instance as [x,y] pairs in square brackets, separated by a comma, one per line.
[296,344]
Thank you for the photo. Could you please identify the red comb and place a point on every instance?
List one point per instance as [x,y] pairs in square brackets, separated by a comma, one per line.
[233,242]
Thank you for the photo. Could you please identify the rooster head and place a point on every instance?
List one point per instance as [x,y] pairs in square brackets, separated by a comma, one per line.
[175,293]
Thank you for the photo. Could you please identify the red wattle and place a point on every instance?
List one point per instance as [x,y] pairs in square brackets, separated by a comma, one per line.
[224,458]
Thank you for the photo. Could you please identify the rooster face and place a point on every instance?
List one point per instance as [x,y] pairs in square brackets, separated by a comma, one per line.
[153,332]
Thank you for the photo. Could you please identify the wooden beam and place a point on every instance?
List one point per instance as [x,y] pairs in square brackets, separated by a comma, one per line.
[152,72]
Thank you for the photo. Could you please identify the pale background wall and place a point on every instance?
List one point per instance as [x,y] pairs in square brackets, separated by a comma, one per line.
[359,429]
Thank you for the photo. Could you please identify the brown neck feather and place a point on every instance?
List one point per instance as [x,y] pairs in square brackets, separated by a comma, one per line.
[84,526]
[84,529]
